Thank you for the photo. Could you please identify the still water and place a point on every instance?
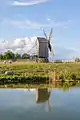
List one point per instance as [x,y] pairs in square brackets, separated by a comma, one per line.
[40,104]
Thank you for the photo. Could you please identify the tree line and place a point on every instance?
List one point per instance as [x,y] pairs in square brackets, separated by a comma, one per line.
[10,55]
[77,60]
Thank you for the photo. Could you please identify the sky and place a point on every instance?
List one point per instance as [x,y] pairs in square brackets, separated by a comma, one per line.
[24,20]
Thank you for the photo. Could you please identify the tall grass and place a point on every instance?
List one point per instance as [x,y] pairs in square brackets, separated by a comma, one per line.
[25,72]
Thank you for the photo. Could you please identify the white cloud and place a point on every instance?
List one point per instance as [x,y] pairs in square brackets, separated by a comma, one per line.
[27,45]
[37,25]
[18,45]
[28,24]
[29,3]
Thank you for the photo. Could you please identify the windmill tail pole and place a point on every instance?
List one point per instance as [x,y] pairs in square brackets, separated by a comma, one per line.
[53,77]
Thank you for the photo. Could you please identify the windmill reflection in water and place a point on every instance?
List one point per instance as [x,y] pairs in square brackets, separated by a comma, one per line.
[43,96]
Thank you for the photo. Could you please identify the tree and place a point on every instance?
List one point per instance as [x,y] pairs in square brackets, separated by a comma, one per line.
[18,56]
[77,60]
[1,56]
[25,56]
[9,55]
[4,57]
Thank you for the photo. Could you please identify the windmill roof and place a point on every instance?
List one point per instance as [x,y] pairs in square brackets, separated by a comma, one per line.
[41,39]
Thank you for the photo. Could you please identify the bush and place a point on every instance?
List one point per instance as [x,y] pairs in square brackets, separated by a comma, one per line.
[73,77]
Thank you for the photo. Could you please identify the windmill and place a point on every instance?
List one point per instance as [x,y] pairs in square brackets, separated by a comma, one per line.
[43,46]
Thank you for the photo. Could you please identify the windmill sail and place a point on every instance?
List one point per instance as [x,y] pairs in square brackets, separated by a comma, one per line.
[45,34]
[48,39]
[50,34]
[49,46]
[52,52]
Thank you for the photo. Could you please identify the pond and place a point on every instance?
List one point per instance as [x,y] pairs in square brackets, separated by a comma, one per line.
[40,104]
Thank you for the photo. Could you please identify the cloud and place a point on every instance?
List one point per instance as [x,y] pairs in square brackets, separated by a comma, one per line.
[27,24]
[29,3]
[27,45]
[37,25]
[18,45]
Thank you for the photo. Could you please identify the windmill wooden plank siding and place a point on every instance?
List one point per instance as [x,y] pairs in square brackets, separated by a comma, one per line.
[42,47]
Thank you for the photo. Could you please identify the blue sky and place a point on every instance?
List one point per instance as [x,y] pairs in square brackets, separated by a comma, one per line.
[26,18]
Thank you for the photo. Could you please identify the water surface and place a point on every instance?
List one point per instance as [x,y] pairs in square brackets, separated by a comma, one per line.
[40,104]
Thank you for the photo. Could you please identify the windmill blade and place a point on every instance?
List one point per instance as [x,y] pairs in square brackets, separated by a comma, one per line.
[45,34]
[32,48]
[49,46]
[50,34]
[52,51]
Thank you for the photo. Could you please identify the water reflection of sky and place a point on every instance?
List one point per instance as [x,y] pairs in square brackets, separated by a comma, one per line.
[17,97]
[20,104]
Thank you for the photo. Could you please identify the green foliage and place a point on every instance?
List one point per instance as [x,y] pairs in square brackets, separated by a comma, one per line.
[77,60]
[34,79]
[17,56]
[25,56]
[27,72]
[9,55]
[64,75]
[1,56]
[73,76]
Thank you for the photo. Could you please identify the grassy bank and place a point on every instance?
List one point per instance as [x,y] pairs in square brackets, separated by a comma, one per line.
[61,85]
[25,72]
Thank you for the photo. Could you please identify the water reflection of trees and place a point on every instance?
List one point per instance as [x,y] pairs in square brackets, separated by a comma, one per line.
[67,85]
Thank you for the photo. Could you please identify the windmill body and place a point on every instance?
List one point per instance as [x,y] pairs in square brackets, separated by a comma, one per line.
[42,47]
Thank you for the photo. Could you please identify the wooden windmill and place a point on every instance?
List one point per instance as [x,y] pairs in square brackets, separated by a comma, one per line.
[43,46]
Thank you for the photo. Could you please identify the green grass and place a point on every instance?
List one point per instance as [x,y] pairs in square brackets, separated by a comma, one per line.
[25,72]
